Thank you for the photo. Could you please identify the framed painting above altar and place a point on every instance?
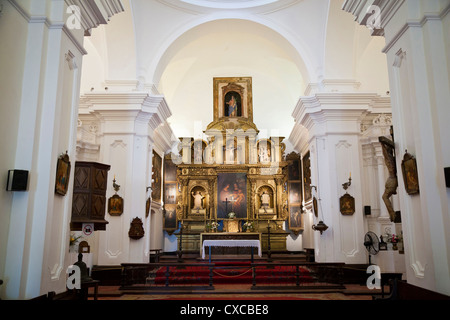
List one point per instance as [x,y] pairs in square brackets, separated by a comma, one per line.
[233,98]
[232,195]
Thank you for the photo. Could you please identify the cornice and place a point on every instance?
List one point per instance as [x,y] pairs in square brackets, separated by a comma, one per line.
[94,12]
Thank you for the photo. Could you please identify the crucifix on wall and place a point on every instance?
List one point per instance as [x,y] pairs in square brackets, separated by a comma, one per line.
[226,204]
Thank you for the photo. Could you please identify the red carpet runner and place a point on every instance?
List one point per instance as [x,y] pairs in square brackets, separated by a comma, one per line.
[231,273]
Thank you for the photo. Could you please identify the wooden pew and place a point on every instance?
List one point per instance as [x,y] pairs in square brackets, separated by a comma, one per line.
[401,290]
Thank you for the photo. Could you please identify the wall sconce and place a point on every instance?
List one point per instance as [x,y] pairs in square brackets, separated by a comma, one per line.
[348,184]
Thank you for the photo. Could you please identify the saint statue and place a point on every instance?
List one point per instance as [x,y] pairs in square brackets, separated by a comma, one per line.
[265,201]
[392,182]
[232,107]
[198,198]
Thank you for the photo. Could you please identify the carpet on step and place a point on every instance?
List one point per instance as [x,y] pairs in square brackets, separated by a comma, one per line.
[223,273]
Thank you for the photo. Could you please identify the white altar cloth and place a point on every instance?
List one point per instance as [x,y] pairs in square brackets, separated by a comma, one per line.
[231,243]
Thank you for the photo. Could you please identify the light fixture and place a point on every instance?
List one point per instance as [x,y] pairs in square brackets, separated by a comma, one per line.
[321,227]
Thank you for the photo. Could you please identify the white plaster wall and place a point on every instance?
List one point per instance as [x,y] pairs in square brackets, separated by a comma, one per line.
[11,76]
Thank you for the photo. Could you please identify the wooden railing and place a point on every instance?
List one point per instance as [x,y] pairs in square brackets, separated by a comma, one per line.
[297,275]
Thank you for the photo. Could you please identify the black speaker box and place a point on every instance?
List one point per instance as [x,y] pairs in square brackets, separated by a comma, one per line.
[447,177]
[17,180]
[367,210]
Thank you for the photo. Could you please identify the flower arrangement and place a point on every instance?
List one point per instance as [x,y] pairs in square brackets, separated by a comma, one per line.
[212,225]
[248,226]
[231,215]
[394,238]
[73,240]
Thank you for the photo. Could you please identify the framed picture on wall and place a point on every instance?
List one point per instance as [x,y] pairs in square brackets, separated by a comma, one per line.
[307,177]
[410,175]
[156,176]
[115,205]
[62,174]
[233,98]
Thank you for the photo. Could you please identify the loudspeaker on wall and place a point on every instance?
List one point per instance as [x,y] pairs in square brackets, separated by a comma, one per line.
[367,210]
[447,177]
[17,180]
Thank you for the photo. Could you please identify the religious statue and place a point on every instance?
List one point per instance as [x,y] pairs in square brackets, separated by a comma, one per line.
[265,201]
[232,107]
[84,274]
[198,199]
[392,182]
[264,154]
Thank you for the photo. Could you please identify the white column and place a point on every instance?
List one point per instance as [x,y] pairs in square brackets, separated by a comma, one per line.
[128,124]
[333,121]
[417,39]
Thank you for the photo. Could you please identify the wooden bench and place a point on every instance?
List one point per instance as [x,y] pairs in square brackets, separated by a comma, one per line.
[401,290]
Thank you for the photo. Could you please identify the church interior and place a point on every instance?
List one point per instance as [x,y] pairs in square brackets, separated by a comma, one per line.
[217,148]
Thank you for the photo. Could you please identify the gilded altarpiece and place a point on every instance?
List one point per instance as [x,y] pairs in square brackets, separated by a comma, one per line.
[232,177]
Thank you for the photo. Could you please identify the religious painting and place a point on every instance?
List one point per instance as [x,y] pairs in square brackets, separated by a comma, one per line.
[410,175]
[156,177]
[115,205]
[307,177]
[295,193]
[62,174]
[294,170]
[170,219]
[347,205]
[233,98]
[170,193]
[295,218]
[148,204]
[232,195]
[170,170]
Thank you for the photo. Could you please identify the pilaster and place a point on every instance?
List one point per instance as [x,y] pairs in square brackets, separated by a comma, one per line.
[131,126]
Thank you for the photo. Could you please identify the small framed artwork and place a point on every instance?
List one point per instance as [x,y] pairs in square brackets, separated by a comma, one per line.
[233,98]
[295,218]
[307,177]
[170,222]
[62,174]
[115,205]
[347,205]
[148,203]
[410,175]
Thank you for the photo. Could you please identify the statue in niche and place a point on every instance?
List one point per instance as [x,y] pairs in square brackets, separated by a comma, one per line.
[233,102]
[198,201]
[264,154]
[265,203]
[392,182]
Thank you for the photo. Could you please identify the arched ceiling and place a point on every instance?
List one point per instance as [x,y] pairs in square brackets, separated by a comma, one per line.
[178,46]
[230,48]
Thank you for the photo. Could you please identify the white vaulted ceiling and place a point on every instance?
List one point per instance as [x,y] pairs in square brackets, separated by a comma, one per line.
[178,46]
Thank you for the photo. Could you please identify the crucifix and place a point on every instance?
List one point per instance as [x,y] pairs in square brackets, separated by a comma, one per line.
[226,204]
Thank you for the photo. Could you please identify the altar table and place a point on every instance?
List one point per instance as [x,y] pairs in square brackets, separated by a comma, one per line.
[231,243]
